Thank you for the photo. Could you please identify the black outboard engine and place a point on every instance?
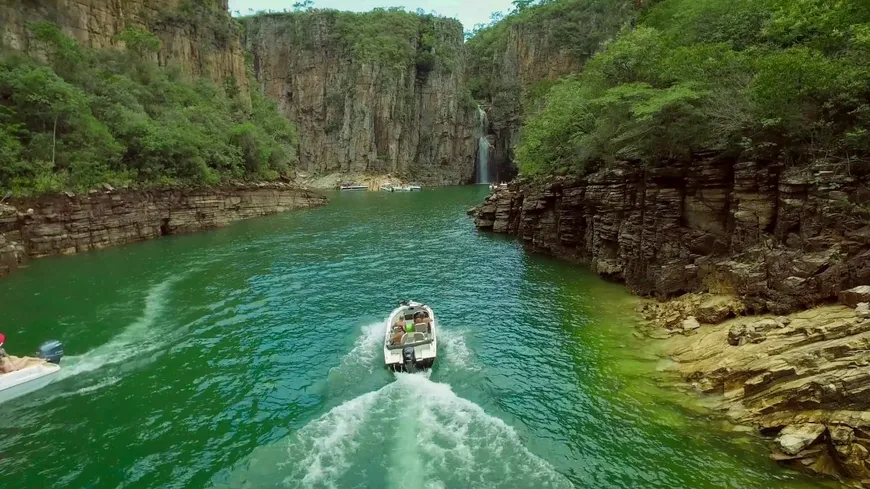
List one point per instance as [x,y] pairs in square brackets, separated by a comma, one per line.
[410,358]
[51,351]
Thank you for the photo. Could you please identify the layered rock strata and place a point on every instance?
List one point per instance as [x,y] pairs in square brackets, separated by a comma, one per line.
[71,224]
[802,379]
[781,238]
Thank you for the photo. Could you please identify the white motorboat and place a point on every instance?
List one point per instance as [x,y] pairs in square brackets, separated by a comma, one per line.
[411,340]
[408,188]
[31,373]
[351,186]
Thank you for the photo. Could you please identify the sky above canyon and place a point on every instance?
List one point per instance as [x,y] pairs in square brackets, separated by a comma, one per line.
[469,12]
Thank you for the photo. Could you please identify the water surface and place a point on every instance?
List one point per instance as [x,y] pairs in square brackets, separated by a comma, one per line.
[249,357]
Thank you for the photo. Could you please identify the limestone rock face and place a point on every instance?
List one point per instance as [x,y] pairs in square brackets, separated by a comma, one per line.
[804,378]
[528,58]
[358,116]
[12,252]
[794,438]
[66,225]
[207,46]
[855,296]
[781,239]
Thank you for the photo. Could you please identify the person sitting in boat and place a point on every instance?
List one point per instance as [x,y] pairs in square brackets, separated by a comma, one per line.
[398,330]
[422,321]
[6,365]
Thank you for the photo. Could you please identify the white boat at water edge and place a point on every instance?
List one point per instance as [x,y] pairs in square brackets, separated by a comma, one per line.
[351,187]
[411,341]
[32,373]
[401,188]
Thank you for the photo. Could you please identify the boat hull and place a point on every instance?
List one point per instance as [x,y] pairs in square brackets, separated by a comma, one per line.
[421,365]
[27,380]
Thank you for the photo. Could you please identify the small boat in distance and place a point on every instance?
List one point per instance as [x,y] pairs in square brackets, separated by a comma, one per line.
[31,373]
[407,188]
[350,186]
[411,340]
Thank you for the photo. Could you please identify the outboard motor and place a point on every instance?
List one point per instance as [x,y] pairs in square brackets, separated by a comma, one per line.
[51,351]
[410,358]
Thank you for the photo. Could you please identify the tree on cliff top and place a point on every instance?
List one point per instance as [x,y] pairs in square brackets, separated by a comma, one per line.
[392,38]
[774,80]
[89,117]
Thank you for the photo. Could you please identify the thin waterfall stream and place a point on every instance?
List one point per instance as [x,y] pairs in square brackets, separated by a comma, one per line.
[482,149]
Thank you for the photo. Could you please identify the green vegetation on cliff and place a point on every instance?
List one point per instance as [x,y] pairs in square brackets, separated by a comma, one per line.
[86,117]
[575,27]
[389,37]
[775,80]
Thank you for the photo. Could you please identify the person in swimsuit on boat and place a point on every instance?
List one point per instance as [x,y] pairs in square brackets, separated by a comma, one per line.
[6,365]
[422,321]
[398,330]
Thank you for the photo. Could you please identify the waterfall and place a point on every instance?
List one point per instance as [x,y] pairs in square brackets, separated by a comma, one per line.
[482,150]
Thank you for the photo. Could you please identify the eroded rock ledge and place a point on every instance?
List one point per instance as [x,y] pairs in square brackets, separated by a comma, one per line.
[802,379]
[783,241]
[781,238]
[67,224]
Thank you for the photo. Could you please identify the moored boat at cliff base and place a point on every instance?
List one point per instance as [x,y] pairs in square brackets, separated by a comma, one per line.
[352,187]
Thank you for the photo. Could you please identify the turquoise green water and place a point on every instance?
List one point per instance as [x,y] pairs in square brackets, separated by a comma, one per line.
[250,357]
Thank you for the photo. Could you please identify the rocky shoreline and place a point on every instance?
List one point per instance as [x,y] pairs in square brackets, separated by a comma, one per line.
[801,379]
[757,257]
[68,224]
[783,239]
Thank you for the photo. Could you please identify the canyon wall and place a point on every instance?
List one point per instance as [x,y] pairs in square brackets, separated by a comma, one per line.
[514,63]
[388,101]
[62,225]
[526,60]
[782,238]
[197,36]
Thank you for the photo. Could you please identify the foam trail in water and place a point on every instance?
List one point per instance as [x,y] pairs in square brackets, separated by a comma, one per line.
[136,338]
[454,350]
[106,382]
[410,433]
[362,368]
[367,348]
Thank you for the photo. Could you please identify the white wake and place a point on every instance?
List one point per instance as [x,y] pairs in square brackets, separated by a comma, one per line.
[411,433]
[135,339]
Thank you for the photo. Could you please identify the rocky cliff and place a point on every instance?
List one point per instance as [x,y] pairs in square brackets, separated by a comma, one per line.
[515,62]
[783,238]
[767,238]
[526,60]
[803,380]
[198,36]
[376,93]
[71,224]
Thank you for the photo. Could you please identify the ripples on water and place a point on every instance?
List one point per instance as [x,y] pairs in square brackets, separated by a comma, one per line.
[251,357]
